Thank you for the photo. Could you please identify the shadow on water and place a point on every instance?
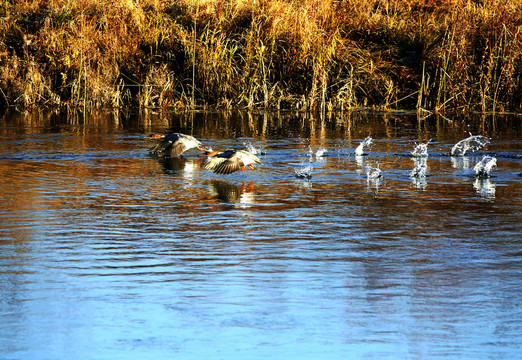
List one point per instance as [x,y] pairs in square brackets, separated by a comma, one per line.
[106,251]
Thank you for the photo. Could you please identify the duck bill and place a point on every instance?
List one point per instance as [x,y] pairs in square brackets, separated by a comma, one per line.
[155,136]
[251,166]
[208,152]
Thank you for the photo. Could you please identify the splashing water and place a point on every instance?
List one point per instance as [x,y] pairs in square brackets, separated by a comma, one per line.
[373,173]
[251,149]
[419,171]
[484,166]
[472,143]
[320,152]
[421,150]
[360,149]
[304,172]
[310,152]
[374,178]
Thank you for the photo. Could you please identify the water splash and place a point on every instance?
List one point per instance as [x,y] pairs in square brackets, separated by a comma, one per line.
[320,152]
[317,154]
[304,172]
[360,149]
[374,178]
[472,143]
[252,149]
[373,173]
[484,166]
[421,150]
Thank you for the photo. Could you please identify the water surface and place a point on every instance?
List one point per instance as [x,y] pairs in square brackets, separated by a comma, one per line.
[108,253]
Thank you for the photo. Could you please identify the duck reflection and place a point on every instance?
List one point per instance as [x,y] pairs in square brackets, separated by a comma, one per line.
[181,164]
[231,193]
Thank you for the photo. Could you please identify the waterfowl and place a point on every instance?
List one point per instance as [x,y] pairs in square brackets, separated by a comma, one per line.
[230,161]
[174,144]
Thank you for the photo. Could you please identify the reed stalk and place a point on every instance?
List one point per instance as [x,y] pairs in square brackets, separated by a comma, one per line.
[194,36]
[421,89]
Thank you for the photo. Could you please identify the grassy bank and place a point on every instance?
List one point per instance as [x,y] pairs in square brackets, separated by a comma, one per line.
[441,55]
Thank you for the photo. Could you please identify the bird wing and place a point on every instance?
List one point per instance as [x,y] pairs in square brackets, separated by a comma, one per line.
[221,165]
[182,144]
[214,162]
[161,147]
[229,166]
[178,148]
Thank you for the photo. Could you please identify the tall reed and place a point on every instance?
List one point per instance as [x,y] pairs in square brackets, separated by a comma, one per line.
[439,55]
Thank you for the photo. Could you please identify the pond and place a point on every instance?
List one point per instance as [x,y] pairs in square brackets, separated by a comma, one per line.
[107,252]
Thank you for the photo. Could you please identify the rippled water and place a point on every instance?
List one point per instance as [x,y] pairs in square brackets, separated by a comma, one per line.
[108,253]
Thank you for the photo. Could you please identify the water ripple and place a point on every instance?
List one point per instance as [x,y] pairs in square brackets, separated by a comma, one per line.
[106,248]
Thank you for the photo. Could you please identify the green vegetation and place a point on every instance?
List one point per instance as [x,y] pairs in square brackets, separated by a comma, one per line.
[438,55]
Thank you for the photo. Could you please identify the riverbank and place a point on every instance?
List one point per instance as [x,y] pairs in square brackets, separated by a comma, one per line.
[310,55]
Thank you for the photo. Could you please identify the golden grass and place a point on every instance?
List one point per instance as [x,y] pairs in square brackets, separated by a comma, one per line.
[438,55]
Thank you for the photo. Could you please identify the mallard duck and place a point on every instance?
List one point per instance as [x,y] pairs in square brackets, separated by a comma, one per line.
[174,144]
[230,161]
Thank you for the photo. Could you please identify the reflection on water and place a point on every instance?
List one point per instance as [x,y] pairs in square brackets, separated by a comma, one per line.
[418,174]
[484,187]
[186,166]
[231,193]
[106,252]
[461,162]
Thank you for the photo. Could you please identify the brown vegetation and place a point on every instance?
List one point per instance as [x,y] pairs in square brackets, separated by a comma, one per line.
[308,54]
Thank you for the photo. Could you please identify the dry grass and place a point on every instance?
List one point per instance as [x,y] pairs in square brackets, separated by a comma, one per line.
[439,55]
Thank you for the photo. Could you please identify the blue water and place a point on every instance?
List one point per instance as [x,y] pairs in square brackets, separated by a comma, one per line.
[108,253]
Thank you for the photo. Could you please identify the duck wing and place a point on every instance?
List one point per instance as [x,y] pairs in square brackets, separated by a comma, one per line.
[179,147]
[183,143]
[161,147]
[221,165]
[229,166]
